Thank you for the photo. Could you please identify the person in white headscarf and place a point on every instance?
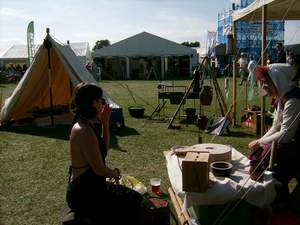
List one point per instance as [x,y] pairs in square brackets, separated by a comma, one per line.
[276,81]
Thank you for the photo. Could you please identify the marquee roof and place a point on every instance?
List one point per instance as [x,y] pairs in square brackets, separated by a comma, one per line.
[144,44]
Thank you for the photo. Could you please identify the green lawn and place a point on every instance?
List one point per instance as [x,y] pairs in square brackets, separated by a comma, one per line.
[34,160]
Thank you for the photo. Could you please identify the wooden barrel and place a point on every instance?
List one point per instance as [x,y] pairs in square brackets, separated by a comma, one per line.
[206,95]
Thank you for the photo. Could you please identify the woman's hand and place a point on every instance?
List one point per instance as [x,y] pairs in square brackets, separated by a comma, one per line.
[105,113]
[117,176]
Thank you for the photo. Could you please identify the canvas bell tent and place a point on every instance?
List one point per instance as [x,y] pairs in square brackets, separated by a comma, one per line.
[46,88]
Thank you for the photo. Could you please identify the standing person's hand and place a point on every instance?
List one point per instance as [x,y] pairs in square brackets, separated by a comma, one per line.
[253,146]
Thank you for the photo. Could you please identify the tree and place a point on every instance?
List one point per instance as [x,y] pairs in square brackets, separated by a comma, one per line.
[195,44]
[101,44]
[191,44]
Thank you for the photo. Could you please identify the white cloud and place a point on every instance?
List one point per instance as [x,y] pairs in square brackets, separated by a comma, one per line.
[10,12]
[9,40]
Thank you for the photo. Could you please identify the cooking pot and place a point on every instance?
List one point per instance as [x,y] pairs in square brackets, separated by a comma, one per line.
[136,111]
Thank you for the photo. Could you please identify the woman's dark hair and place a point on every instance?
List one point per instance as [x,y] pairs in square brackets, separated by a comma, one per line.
[82,100]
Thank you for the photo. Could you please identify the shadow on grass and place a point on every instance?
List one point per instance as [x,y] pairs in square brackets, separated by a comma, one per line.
[63,131]
[57,132]
[240,134]
[120,132]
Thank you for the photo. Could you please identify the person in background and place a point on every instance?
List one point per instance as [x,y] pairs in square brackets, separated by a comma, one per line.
[88,66]
[276,81]
[251,80]
[243,70]
[251,69]
[290,57]
[89,193]
[280,56]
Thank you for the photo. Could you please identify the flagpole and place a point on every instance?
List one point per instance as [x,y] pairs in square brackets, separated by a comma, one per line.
[48,45]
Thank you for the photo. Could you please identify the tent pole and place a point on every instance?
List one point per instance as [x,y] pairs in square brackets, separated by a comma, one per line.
[234,73]
[127,68]
[162,63]
[263,63]
[70,82]
[48,45]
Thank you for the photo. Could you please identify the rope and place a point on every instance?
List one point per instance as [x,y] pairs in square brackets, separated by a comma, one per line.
[125,86]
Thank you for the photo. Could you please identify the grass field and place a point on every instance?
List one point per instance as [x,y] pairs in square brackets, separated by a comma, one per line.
[34,160]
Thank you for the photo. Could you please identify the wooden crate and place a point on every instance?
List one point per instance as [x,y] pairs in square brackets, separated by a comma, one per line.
[195,172]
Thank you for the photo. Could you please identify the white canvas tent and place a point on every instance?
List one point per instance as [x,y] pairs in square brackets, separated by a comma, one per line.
[264,10]
[147,45]
[32,94]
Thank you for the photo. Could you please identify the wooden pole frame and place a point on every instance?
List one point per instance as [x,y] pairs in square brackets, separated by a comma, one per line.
[263,63]
[234,75]
[48,45]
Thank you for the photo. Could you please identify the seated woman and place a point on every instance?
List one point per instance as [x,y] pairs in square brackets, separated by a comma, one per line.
[276,81]
[89,194]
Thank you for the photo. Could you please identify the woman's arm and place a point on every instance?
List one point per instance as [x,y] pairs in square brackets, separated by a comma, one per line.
[289,124]
[104,116]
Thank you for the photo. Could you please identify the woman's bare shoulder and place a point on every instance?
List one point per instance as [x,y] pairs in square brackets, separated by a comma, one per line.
[81,130]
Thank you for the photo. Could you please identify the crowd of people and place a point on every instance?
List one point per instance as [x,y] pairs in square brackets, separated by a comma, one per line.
[12,73]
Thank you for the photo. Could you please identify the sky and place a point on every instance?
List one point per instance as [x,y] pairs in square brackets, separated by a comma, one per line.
[115,20]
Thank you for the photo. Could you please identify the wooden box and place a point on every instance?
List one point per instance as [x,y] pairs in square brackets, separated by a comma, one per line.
[195,172]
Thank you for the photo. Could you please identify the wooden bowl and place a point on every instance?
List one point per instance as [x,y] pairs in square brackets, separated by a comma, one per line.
[221,168]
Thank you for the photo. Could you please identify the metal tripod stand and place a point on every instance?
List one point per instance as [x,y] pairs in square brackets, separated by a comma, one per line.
[197,80]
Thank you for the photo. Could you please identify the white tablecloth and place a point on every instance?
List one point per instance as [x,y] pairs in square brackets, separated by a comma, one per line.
[223,190]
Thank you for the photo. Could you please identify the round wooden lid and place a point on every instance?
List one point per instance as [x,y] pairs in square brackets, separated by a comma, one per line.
[217,152]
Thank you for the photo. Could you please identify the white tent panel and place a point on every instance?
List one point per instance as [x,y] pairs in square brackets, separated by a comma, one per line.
[277,10]
[81,50]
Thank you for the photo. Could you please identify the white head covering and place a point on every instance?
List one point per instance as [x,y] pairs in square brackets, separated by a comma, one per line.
[282,75]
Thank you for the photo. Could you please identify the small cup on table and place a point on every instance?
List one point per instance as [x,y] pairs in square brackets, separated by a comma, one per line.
[155,185]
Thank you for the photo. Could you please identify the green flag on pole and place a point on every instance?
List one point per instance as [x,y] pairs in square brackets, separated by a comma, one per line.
[30,41]
[30,28]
